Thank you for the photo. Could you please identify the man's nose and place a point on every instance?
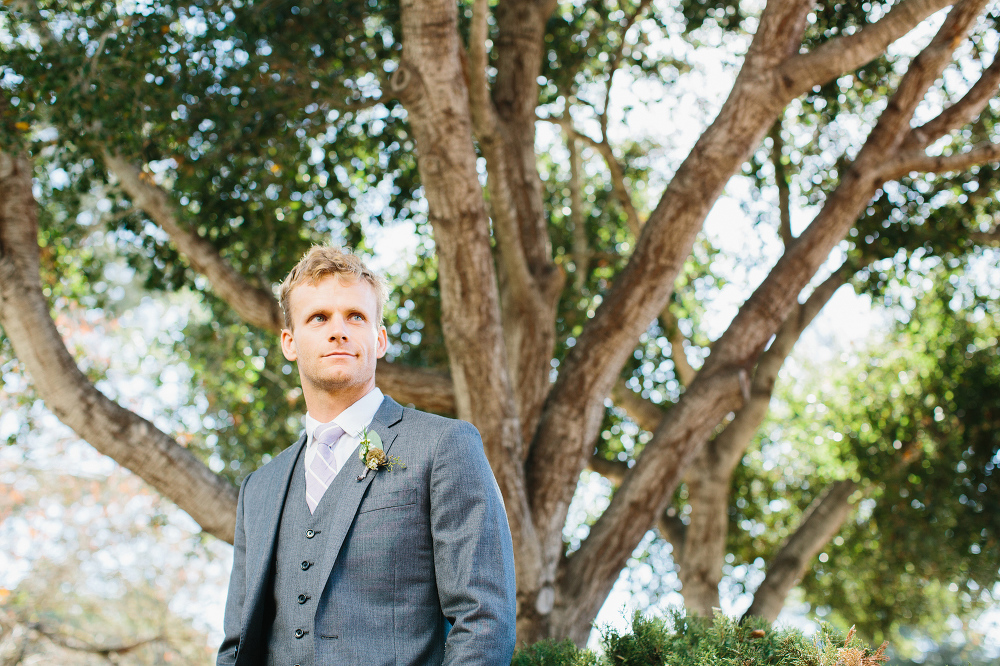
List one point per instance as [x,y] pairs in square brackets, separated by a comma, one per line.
[338,328]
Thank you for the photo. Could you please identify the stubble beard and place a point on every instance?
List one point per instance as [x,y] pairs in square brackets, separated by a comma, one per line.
[337,384]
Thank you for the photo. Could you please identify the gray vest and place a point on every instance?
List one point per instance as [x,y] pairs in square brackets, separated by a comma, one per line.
[296,588]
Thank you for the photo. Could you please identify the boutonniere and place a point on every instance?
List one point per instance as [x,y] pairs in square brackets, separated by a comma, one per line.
[373,455]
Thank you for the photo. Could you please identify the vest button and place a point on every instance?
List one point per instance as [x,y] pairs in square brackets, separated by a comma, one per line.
[305,565]
[310,534]
[302,598]
[299,633]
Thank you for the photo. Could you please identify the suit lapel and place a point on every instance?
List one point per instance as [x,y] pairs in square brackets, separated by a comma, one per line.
[352,491]
[262,533]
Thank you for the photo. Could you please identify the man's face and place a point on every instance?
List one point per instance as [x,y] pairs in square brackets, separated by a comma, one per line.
[335,337]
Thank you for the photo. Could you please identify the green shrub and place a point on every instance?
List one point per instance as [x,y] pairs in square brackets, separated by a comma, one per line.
[677,640]
[551,653]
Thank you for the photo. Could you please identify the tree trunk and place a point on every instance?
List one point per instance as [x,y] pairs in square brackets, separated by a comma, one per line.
[821,521]
[113,430]
[530,283]
[499,307]
[431,84]
[710,480]
[722,385]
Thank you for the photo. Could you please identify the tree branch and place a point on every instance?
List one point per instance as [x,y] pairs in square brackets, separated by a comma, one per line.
[574,408]
[426,389]
[132,441]
[581,251]
[682,367]
[709,479]
[894,124]
[676,441]
[714,392]
[612,470]
[673,529]
[779,34]
[781,180]
[917,161]
[615,169]
[431,85]
[483,114]
[79,645]
[770,303]
[530,281]
[586,577]
[645,413]
[821,521]
[616,63]
[721,385]
[849,52]
[959,114]
[791,330]
[641,291]
[256,305]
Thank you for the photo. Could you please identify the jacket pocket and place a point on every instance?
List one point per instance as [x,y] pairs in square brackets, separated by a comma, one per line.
[389,500]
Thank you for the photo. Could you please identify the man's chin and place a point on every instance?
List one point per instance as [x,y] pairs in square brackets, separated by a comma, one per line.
[340,383]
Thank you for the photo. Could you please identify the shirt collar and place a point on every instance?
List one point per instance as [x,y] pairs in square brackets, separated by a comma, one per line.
[353,419]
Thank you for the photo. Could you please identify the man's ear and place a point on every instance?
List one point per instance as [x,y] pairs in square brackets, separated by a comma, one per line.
[288,345]
[382,343]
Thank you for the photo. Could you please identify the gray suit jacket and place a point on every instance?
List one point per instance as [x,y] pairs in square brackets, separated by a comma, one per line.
[407,550]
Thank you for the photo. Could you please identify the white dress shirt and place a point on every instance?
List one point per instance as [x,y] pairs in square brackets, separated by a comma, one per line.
[353,420]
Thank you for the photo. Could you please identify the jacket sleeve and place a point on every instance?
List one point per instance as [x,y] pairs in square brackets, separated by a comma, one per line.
[473,553]
[237,589]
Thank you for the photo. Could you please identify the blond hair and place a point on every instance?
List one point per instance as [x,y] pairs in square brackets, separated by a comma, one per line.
[323,261]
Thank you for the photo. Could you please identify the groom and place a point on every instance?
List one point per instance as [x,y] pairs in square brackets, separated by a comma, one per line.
[404,557]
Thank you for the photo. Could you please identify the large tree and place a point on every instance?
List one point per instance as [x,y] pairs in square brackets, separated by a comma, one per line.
[220,139]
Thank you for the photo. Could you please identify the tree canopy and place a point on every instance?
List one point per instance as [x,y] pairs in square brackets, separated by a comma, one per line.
[556,162]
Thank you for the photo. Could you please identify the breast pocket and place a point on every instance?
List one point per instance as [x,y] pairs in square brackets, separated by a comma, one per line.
[389,500]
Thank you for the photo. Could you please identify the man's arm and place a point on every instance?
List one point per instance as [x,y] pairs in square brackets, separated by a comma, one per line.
[237,589]
[473,554]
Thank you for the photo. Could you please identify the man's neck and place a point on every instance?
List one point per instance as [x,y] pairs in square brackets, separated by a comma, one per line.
[325,407]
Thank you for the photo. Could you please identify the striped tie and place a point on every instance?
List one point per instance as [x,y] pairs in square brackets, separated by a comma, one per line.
[322,469]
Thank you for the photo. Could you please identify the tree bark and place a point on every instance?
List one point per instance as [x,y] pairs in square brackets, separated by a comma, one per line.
[129,439]
[773,74]
[710,479]
[530,282]
[722,385]
[821,521]
[431,84]
[575,407]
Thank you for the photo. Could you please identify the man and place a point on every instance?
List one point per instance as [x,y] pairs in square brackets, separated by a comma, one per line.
[340,561]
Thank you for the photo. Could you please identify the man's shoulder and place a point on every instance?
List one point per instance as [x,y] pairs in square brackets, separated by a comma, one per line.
[287,456]
[279,464]
[412,418]
[414,415]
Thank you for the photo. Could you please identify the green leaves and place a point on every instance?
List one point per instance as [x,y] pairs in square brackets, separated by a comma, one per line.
[681,640]
[921,420]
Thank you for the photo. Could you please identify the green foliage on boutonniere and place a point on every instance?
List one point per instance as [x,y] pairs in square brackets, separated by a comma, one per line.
[373,455]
